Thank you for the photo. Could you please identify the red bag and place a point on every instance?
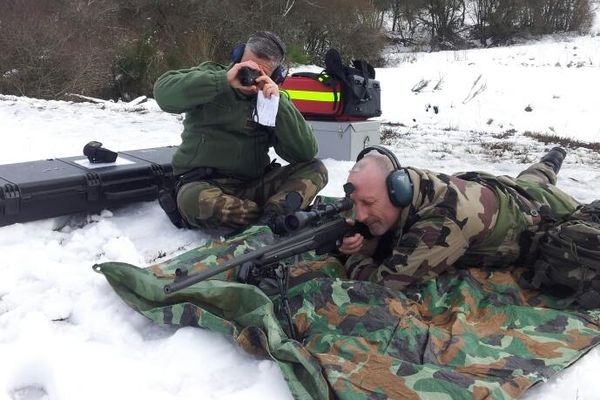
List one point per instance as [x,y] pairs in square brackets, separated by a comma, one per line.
[316,96]
[337,93]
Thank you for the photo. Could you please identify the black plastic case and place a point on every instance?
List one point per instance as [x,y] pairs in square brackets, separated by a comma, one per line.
[48,188]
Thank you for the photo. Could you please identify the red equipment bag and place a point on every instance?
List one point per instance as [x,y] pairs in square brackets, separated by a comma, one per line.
[316,96]
[340,93]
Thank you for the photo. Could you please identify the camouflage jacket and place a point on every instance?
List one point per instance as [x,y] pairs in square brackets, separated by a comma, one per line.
[468,219]
[219,130]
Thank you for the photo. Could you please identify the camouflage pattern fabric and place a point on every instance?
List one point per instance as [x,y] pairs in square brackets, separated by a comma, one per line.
[465,220]
[471,334]
[234,202]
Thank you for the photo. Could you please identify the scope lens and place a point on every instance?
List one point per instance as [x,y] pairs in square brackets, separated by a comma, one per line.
[291,222]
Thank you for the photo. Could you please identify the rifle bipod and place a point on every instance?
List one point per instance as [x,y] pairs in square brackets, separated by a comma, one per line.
[283,280]
[272,280]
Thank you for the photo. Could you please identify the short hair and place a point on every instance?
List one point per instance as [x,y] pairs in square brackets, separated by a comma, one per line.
[382,162]
[268,46]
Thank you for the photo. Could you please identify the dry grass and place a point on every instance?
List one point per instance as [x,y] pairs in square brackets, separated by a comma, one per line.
[562,141]
[388,132]
[505,135]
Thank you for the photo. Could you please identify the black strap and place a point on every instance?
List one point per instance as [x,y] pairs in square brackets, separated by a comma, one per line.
[335,67]
[365,74]
[326,79]
[194,175]
[365,67]
[312,75]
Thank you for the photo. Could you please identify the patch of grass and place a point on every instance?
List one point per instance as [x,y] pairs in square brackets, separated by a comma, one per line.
[393,124]
[388,132]
[497,150]
[564,142]
[498,146]
[443,148]
[505,134]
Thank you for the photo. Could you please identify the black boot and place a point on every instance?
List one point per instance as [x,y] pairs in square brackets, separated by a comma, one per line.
[554,158]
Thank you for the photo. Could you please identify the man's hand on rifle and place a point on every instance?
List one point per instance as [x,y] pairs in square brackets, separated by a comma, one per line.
[357,243]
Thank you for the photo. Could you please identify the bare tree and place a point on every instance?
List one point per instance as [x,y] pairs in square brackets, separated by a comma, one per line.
[445,19]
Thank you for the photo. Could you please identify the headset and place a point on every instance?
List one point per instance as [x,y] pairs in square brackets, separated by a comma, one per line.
[279,73]
[399,186]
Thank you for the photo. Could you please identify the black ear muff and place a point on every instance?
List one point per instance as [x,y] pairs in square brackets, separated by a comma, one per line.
[237,53]
[398,183]
[279,75]
[400,188]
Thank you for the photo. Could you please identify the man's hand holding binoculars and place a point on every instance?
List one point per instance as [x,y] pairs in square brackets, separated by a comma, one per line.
[248,77]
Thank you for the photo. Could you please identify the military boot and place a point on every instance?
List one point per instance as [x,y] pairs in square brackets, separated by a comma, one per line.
[554,158]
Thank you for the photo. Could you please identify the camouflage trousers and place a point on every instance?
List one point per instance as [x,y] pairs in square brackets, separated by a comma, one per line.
[539,181]
[232,202]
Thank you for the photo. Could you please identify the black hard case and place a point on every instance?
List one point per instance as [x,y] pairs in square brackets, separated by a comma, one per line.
[48,188]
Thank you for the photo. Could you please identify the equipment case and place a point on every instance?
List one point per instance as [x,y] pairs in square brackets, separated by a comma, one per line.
[322,97]
[49,188]
[344,140]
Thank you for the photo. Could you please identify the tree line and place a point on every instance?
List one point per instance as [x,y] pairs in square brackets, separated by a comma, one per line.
[117,48]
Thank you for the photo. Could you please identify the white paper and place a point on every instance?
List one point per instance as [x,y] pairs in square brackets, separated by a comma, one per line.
[266,109]
[84,162]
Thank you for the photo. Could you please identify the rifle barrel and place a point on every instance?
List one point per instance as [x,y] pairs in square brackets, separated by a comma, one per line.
[207,273]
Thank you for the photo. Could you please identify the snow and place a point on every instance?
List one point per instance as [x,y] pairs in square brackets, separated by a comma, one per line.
[64,333]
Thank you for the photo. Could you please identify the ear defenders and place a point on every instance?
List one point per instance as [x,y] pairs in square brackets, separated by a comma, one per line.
[399,185]
[279,73]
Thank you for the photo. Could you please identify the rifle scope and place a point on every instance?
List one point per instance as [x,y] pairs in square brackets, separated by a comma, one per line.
[301,219]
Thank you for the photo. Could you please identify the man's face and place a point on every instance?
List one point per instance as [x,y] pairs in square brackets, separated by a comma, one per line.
[372,205]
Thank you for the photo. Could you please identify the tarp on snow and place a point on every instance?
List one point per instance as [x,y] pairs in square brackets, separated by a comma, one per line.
[473,334]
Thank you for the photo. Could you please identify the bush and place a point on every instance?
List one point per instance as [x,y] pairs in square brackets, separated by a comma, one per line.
[49,51]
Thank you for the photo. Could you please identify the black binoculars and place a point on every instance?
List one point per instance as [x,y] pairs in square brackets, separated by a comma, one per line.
[247,76]
[98,154]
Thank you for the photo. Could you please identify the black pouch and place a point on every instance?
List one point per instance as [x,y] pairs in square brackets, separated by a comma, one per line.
[569,259]
[362,98]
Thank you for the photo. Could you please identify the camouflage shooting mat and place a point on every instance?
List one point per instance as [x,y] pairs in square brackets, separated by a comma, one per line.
[472,334]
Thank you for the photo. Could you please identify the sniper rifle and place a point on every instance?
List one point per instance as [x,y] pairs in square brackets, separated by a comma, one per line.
[319,229]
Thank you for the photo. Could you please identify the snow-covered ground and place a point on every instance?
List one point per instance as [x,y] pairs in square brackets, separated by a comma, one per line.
[64,334]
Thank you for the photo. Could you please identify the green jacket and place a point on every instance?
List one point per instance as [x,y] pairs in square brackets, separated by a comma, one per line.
[218,129]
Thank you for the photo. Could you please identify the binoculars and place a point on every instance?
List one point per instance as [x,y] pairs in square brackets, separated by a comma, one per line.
[247,76]
[97,154]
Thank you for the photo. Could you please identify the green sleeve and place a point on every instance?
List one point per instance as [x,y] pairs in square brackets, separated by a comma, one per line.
[183,90]
[295,139]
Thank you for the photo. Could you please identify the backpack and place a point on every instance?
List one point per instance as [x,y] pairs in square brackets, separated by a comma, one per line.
[361,93]
[569,258]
